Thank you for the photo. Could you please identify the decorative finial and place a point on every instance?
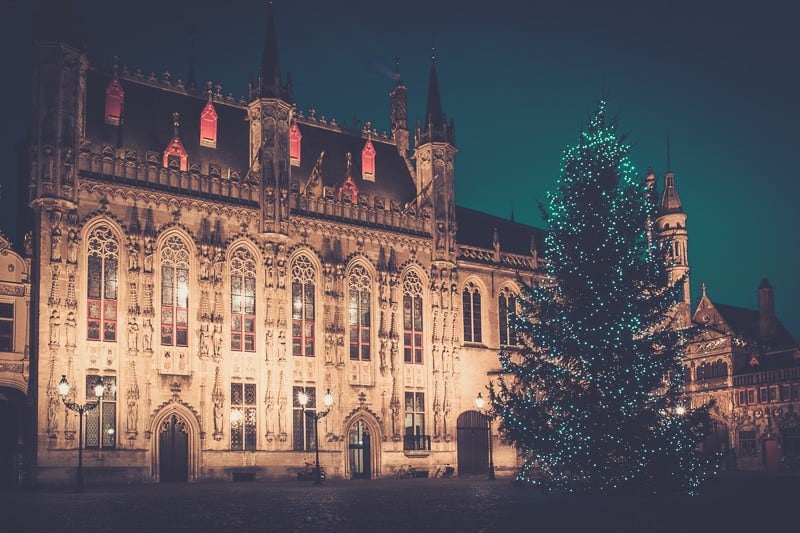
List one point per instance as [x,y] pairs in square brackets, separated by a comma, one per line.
[433,54]
[349,160]
[210,89]
[703,288]
[669,168]
[176,123]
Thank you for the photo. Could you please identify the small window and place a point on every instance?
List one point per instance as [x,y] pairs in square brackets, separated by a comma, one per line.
[101,423]
[208,126]
[6,327]
[368,161]
[747,442]
[115,97]
[243,416]
[294,145]
[304,426]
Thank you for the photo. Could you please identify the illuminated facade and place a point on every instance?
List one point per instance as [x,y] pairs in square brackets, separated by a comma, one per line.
[210,258]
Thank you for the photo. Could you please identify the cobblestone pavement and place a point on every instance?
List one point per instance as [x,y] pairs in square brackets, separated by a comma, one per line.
[744,503]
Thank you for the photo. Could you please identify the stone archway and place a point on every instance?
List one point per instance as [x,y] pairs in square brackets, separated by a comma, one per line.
[175,427]
[364,425]
[473,443]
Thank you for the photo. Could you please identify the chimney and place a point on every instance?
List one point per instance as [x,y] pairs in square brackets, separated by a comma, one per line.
[766,310]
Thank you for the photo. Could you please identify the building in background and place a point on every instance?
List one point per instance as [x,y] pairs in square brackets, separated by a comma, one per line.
[209,258]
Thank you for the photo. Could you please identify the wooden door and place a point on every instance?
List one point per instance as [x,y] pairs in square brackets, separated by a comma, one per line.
[173,450]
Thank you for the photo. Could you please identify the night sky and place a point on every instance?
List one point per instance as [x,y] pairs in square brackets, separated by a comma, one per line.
[519,78]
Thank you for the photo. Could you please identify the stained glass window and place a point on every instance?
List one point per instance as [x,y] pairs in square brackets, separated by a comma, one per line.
[412,318]
[243,301]
[243,416]
[304,426]
[101,422]
[303,307]
[101,301]
[174,292]
[359,315]
[472,313]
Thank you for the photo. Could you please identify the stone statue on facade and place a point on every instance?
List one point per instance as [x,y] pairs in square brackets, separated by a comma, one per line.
[133,335]
[147,336]
[217,340]
[132,246]
[55,244]
[149,247]
[55,327]
[72,246]
[70,324]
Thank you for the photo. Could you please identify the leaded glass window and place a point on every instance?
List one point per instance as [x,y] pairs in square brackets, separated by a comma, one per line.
[304,426]
[472,313]
[359,287]
[174,292]
[507,306]
[412,318]
[303,307]
[101,297]
[6,327]
[243,301]
[243,416]
[101,422]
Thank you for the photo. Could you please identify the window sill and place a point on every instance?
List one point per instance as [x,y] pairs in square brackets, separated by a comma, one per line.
[475,345]
[416,453]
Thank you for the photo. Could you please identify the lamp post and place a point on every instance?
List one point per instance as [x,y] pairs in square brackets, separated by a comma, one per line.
[302,399]
[63,390]
[479,403]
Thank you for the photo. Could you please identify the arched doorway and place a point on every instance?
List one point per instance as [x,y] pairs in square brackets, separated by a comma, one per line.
[473,443]
[359,451]
[173,450]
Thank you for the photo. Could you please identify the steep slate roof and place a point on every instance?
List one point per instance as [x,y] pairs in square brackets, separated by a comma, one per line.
[392,179]
[744,322]
[477,229]
[147,124]
[772,361]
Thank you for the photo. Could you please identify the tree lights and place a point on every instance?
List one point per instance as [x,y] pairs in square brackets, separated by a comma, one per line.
[593,398]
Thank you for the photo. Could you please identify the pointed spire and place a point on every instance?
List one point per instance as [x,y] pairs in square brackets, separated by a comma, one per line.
[434,116]
[270,75]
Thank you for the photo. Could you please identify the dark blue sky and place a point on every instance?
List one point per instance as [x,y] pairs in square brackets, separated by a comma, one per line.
[519,78]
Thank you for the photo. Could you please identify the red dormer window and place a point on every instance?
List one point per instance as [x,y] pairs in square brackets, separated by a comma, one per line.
[115,96]
[175,156]
[294,145]
[348,192]
[208,126]
[368,161]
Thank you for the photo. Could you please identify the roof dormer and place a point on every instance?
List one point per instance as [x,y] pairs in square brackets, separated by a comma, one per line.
[115,98]
[208,124]
[295,137]
[175,156]
[368,161]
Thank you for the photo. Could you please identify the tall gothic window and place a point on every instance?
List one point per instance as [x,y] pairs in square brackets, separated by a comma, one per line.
[507,304]
[101,297]
[368,161]
[174,292]
[472,313]
[412,318]
[101,423]
[303,425]
[243,301]
[359,313]
[6,327]
[243,416]
[414,438]
[295,138]
[208,126]
[303,307]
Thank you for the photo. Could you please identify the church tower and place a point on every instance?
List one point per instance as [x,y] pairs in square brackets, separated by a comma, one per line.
[271,112]
[670,226]
[435,178]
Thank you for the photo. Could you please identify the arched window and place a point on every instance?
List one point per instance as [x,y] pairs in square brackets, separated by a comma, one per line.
[472,313]
[359,313]
[174,292]
[412,318]
[303,307]
[103,259]
[507,304]
[243,301]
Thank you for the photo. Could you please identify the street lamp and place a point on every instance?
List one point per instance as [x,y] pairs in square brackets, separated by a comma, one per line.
[479,403]
[63,390]
[302,399]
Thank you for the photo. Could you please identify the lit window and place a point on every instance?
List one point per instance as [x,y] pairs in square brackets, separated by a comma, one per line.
[115,97]
[303,425]
[303,307]
[101,302]
[472,313]
[294,144]
[507,305]
[368,161]
[174,292]
[359,313]
[6,327]
[243,301]
[412,318]
[101,422]
[243,416]
[208,126]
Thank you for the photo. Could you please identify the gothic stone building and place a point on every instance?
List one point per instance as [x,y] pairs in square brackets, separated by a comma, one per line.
[209,259]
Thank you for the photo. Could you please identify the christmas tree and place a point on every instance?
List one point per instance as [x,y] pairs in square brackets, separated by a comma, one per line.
[593,399]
